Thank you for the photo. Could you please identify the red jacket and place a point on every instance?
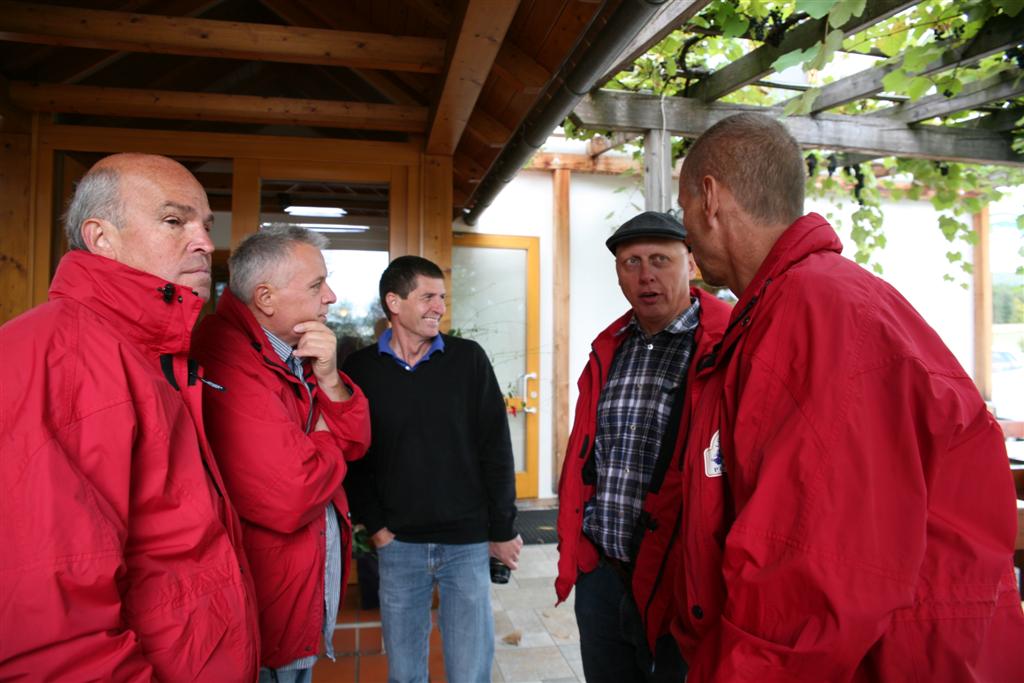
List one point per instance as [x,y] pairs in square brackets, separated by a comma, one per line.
[864,526]
[654,568]
[121,556]
[279,476]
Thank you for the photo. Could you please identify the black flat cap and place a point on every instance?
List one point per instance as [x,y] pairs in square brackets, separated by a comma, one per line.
[648,224]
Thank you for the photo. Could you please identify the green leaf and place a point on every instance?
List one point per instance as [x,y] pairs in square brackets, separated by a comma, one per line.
[1020,223]
[735,26]
[833,41]
[954,256]
[892,44]
[801,106]
[815,8]
[843,10]
[896,81]
[949,227]
[793,58]
[918,57]
[918,86]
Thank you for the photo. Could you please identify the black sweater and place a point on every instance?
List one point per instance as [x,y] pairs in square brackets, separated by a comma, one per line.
[439,468]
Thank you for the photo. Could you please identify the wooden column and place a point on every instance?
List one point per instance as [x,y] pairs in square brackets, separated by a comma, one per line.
[16,263]
[657,170]
[435,225]
[560,381]
[982,306]
[245,199]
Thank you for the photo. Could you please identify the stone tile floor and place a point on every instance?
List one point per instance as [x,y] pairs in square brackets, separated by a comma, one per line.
[535,642]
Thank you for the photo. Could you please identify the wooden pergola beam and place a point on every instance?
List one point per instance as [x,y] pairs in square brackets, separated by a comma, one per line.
[673,14]
[997,34]
[758,63]
[167,104]
[105,30]
[999,121]
[484,24]
[610,110]
[1002,86]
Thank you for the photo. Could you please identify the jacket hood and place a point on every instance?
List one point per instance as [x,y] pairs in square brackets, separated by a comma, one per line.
[807,235]
[150,311]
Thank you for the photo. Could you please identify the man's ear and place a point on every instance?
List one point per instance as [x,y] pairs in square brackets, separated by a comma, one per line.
[710,196]
[692,265]
[391,299]
[263,298]
[100,237]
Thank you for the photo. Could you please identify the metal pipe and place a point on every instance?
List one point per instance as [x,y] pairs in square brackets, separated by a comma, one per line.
[627,20]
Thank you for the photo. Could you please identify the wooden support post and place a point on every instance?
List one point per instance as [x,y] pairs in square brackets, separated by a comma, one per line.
[982,306]
[16,235]
[245,199]
[657,170]
[436,216]
[560,381]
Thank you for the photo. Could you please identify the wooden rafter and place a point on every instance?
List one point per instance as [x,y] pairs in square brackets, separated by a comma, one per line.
[100,29]
[481,34]
[609,110]
[521,69]
[1002,86]
[487,129]
[998,34]
[758,63]
[999,121]
[672,15]
[166,104]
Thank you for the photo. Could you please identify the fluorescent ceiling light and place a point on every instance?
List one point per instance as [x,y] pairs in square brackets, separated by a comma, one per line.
[333,227]
[321,211]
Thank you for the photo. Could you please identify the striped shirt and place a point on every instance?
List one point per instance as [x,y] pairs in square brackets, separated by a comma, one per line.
[332,557]
[646,376]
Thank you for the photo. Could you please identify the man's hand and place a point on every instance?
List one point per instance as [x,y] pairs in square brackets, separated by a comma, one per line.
[382,537]
[318,343]
[508,551]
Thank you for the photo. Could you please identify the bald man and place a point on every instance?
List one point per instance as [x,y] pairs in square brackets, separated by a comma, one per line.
[121,553]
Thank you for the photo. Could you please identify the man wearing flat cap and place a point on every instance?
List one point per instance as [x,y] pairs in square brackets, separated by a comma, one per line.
[620,493]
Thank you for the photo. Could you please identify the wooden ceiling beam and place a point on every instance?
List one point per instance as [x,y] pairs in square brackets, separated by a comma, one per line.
[1000,121]
[673,14]
[488,130]
[612,110]
[758,63]
[996,35]
[480,35]
[1002,86]
[101,29]
[166,104]
[521,69]
[300,14]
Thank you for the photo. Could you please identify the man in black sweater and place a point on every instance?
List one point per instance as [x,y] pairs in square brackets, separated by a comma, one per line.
[436,490]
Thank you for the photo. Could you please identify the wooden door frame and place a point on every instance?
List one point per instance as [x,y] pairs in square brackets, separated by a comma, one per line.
[527,482]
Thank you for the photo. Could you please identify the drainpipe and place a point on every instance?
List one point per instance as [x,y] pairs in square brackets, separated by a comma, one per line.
[628,19]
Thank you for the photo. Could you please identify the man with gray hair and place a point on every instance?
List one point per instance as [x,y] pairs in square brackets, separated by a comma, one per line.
[848,511]
[121,553]
[284,428]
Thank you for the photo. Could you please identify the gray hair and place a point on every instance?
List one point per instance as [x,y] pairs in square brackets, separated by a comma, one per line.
[98,195]
[757,159]
[255,259]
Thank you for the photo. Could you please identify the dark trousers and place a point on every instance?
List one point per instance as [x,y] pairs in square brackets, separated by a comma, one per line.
[612,639]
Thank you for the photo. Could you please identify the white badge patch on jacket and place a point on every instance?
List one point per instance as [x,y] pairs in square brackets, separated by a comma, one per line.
[713,465]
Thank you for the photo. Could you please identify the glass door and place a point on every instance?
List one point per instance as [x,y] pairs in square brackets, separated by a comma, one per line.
[495,300]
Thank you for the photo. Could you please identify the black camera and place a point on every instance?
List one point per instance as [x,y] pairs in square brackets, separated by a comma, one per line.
[499,572]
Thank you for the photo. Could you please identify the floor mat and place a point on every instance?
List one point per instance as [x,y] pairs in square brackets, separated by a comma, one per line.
[537,526]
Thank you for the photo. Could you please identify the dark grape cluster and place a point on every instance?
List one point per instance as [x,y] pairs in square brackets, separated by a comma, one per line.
[812,164]
[954,33]
[942,167]
[770,29]
[858,176]
[1015,54]
[833,163]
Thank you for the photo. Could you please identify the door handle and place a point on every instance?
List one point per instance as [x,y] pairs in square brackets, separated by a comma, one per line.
[524,380]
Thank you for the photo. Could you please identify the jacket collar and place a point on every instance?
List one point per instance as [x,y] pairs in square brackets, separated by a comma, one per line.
[237,315]
[150,311]
[807,235]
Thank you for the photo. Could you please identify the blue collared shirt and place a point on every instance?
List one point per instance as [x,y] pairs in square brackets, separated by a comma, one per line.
[332,558]
[647,374]
[384,346]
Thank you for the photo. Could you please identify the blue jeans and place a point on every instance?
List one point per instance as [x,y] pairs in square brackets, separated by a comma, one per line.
[408,574]
[289,676]
[613,644]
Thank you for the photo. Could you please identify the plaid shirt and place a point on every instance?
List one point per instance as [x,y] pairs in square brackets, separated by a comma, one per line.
[632,415]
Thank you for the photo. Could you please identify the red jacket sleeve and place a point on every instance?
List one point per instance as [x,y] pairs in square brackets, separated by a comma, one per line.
[278,476]
[64,507]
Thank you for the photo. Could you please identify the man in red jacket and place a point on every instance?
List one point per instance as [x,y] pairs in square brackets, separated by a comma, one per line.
[121,554]
[283,428]
[851,511]
[619,494]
